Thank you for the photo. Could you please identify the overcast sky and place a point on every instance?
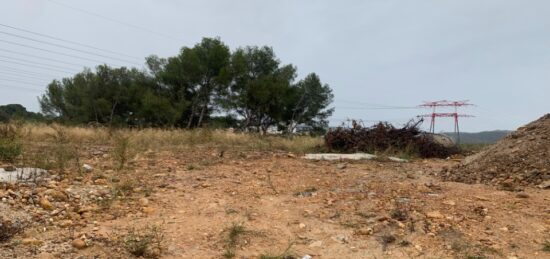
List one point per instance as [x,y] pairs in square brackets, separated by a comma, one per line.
[373,53]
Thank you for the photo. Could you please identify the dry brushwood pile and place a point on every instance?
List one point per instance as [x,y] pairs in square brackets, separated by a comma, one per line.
[384,137]
[520,159]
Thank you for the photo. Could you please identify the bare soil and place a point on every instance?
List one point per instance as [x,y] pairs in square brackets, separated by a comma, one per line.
[285,205]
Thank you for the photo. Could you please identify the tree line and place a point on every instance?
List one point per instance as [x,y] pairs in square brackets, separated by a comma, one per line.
[204,85]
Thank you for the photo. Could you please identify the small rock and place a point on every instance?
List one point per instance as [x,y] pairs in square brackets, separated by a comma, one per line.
[56,195]
[435,215]
[45,204]
[31,241]
[78,244]
[522,195]
[545,185]
[342,239]
[100,182]
[307,257]
[449,202]
[318,243]
[87,168]
[143,202]
[65,223]
[364,231]
[302,225]
[342,166]
[148,210]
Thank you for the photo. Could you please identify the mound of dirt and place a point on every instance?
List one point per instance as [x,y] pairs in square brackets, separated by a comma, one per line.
[520,159]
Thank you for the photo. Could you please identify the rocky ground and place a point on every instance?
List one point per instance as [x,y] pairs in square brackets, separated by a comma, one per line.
[205,203]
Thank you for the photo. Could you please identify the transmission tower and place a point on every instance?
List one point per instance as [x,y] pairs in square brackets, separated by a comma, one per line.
[444,103]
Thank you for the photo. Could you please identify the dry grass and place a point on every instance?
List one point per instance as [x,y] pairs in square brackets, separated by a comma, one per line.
[172,139]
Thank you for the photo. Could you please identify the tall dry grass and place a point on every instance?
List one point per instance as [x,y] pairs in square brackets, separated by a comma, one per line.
[169,139]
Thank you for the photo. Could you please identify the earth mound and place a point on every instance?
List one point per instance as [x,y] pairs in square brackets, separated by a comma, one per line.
[520,159]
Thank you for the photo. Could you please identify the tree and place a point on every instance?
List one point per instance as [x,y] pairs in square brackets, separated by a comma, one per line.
[259,87]
[196,77]
[307,104]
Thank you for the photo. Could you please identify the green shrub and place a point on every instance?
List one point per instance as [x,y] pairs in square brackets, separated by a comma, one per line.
[10,142]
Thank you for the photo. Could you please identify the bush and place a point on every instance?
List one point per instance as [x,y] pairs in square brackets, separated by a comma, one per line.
[146,242]
[10,145]
[384,137]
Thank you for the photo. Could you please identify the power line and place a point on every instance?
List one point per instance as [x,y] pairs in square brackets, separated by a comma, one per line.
[69,48]
[33,62]
[114,20]
[374,108]
[11,73]
[21,87]
[21,82]
[51,51]
[69,41]
[39,57]
[25,71]
[41,67]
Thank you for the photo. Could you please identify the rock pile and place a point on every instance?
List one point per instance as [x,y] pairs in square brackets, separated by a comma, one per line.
[520,159]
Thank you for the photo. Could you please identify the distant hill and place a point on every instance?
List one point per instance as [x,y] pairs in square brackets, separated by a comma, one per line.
[484,137]
[18,112]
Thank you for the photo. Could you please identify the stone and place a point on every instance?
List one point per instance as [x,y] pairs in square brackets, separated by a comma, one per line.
[78,244]
[56,195]
[148,210]
[100,182]
[87,168]
[45,204]
[31,241]
[65,223]
[545,185]
[449,202]
[143,202]
[318,243]
[435,215]
[341,166]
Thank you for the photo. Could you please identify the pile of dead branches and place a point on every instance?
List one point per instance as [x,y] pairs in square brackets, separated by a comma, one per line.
[384,137]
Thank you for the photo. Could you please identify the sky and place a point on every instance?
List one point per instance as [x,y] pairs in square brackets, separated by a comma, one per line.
[382,58]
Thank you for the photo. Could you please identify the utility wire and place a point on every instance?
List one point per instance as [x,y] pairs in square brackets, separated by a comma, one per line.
[39,57]
[21,82]
[33,62]
[21,87]
[69,41]
[115,20]
[11,73]
[41,67]
[69,48]
[51,51]
[374,108]
[21,71]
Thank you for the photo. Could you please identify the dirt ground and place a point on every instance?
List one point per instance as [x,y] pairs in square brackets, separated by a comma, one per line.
[204,203]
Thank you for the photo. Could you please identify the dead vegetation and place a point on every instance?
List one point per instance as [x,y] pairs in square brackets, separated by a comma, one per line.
[146,242]
[383,137]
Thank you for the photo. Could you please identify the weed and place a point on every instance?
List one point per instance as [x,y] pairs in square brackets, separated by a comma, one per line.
[230,211]
[121,150]
[10,142]
[234,232]
[63,151]
[284,255]
[9,229]
[546,246]
[399,215]
[306,193]
[146,242]
[385,240]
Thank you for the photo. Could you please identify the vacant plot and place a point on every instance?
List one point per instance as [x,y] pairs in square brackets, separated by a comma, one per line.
[214,194]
